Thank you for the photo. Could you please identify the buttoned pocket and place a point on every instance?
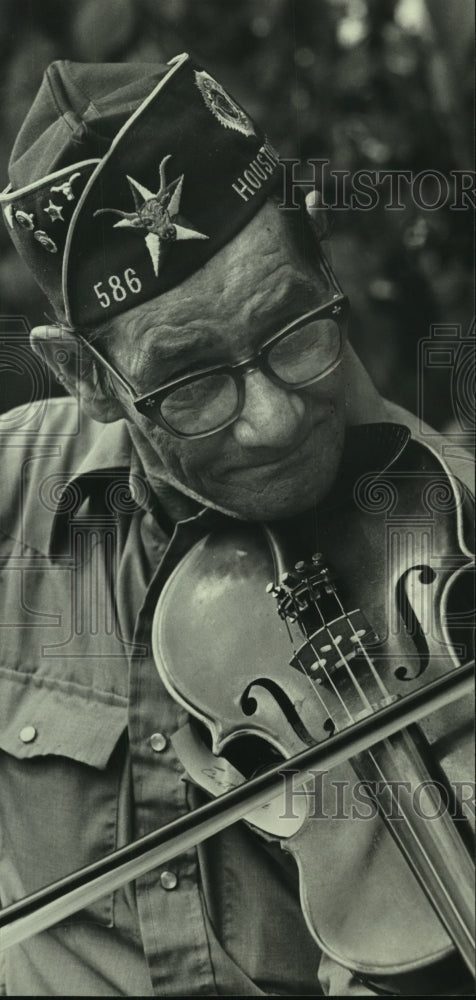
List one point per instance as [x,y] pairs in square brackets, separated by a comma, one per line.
[61,761]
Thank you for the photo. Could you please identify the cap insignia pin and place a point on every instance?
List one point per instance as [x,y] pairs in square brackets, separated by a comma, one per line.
[65,188]
[55,212]
[155,214]
[45,241]
[225,109]
[25,219]
[9,215]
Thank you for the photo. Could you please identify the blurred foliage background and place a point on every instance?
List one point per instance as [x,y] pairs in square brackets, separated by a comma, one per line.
[375,84]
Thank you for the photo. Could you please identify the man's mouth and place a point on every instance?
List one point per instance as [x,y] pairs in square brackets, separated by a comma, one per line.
[272,460]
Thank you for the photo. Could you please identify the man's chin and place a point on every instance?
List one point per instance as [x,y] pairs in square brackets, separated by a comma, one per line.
[270,505]
[276,490]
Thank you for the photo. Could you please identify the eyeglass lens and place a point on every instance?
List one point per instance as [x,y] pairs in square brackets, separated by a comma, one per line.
[209,401]
[305,354]
[201,405]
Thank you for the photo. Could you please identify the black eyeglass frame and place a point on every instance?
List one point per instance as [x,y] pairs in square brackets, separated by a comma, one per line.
[337,309]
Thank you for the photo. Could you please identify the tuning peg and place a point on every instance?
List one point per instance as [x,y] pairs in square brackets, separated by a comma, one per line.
[288,579]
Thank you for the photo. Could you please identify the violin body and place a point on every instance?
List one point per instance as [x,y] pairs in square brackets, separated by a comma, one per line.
[384,626]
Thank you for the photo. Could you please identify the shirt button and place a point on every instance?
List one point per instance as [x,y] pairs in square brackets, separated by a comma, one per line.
[158,742]
[28,734]
[168,880]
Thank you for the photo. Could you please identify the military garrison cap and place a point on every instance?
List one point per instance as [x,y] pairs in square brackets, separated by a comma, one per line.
[125,179]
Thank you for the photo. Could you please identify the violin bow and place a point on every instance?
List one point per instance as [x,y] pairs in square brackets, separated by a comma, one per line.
[59,900]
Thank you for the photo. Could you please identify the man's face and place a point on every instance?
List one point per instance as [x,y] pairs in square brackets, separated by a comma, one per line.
[281,454]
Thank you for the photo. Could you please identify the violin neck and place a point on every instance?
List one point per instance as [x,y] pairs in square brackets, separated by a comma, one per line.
[425,831]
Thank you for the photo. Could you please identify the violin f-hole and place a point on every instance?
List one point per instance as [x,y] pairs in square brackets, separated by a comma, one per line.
[410,620]
[249,705]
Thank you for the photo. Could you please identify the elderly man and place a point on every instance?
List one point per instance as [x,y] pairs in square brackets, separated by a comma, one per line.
[202,337]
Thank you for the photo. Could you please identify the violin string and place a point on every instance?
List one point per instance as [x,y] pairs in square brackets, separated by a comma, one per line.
[420,845]
[319,659]
[310,680]
[342,659]
[393,798]
[395,803]
[328,677]
[389,785]
[358,642]
[409,826]
[357,686]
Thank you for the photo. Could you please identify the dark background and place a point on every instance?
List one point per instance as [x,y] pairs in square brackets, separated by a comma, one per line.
[376,84]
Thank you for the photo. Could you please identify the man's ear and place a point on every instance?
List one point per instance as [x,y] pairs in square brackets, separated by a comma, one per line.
[320,220]
[75,368]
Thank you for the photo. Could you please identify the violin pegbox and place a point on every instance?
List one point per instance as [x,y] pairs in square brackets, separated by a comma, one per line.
[297,592]
[335,651]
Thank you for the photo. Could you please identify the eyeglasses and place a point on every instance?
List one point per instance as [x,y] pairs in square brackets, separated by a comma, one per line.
[210,399]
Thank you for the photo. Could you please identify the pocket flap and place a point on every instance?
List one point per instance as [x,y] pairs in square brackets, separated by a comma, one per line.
[39,716]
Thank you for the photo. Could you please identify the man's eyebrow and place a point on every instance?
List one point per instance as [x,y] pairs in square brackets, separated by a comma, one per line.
[173,351]
[291,289]
[173,346]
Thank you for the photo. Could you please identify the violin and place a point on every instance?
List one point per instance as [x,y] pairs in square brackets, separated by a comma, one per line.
[367,618]
[288,661]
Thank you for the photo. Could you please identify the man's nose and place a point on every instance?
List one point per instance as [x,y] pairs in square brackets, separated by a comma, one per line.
[271,417]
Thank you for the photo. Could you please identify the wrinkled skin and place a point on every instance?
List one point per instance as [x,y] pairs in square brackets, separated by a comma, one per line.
[281,455]
[282,452]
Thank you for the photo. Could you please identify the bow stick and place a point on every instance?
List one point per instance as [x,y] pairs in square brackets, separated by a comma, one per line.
[59,900]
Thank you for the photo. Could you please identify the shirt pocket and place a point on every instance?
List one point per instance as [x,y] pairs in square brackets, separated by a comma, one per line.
[62,757]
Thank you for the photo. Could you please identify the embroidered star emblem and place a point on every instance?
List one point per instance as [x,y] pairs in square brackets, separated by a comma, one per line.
[156,214]
[55,212]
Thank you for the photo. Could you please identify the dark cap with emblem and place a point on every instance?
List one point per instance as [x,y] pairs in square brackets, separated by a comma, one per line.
[125,179]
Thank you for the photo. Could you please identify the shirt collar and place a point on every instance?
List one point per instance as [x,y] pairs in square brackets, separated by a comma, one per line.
[111,464]
[107,459]
[112,449]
